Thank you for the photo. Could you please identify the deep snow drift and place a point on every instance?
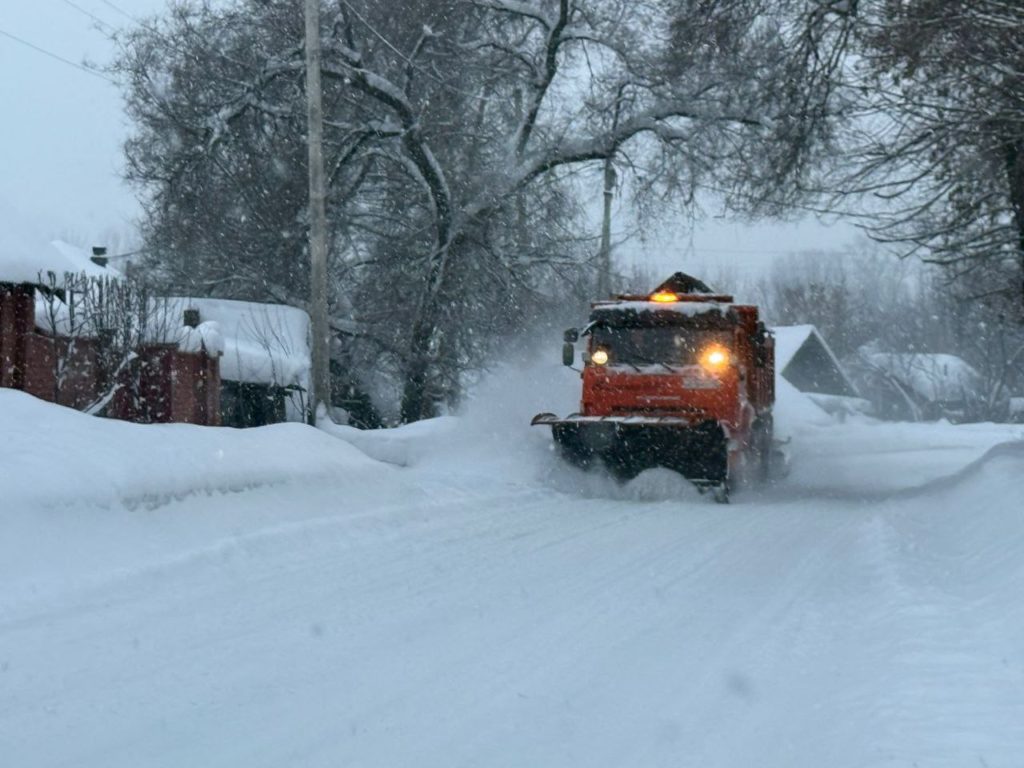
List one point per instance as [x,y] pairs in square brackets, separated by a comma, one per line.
[448,594]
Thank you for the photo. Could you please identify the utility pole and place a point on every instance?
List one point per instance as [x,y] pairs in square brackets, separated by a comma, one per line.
[321,348]
[604,265]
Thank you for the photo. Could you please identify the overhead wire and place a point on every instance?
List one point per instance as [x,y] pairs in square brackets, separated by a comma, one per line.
[58,57]
[85,12]
[119,10]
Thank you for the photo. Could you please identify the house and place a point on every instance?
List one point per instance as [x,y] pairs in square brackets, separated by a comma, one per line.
[805,360]
[918,386]
[265,366]
[37,352]
[72,332]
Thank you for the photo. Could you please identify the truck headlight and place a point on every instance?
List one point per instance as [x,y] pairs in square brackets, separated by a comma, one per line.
[599,357]
[715,358]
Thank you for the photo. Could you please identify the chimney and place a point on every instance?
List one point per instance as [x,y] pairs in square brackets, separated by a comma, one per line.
[99,256]
[192,317]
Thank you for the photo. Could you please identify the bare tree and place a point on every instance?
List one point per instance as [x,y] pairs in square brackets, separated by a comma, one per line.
[127,318]
[454,129]
[64,317]
[939,148]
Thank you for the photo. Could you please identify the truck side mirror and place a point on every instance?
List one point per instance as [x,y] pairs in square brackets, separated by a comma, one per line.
[568,354]
[571,336]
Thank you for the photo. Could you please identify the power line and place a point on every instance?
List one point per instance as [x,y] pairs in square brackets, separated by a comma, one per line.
[34,47]
[88,13]
[119,10]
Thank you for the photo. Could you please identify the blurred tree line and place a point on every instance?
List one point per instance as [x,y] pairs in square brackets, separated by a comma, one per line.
[457,130]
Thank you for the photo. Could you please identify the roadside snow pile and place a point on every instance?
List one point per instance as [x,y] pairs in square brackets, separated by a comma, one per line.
[795,412]
[402,446]
[55,456]
[491,433]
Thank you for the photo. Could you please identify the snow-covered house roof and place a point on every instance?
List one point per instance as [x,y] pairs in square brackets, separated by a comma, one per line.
[936,378]
[262,343]
[23,260]
[804,359]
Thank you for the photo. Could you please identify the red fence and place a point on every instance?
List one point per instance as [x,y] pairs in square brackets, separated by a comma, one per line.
[164,385]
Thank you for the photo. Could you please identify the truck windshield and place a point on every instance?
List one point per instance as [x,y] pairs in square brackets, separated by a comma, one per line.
[666,345]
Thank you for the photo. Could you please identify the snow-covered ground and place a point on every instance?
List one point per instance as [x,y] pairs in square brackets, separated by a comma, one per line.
[447,594]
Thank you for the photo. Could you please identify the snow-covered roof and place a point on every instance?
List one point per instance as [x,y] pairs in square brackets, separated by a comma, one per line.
[23,259]
[935,377]
[261,343]
[789,341]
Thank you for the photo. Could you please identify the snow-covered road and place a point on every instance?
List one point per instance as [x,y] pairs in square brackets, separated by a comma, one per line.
[475,607]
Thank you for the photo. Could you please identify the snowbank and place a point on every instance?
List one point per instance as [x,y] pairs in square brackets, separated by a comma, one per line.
[55,456]
[82,496]
[403,446]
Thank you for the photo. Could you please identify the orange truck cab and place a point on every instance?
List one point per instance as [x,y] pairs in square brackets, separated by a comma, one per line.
[681,378]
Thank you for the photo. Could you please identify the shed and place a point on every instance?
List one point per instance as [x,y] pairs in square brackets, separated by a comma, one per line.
[920,386]
[805,360]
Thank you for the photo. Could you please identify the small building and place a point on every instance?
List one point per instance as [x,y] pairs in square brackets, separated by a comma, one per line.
[919,386]
[804,359]
[56,341]
[265,368]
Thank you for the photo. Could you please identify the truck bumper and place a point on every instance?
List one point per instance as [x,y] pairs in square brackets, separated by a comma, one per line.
[627,445]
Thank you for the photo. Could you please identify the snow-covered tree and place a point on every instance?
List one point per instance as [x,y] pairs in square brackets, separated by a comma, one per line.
[941,147]
[454,128]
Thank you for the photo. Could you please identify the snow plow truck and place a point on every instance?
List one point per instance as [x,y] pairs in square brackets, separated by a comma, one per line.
[681,378]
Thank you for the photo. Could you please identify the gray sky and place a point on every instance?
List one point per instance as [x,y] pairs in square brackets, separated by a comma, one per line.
[63,128]
[62,136]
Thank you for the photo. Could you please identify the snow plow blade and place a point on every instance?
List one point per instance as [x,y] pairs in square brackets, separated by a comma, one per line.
[628,445]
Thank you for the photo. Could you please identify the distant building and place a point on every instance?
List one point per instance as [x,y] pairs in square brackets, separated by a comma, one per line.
[805,360]
[918,386]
